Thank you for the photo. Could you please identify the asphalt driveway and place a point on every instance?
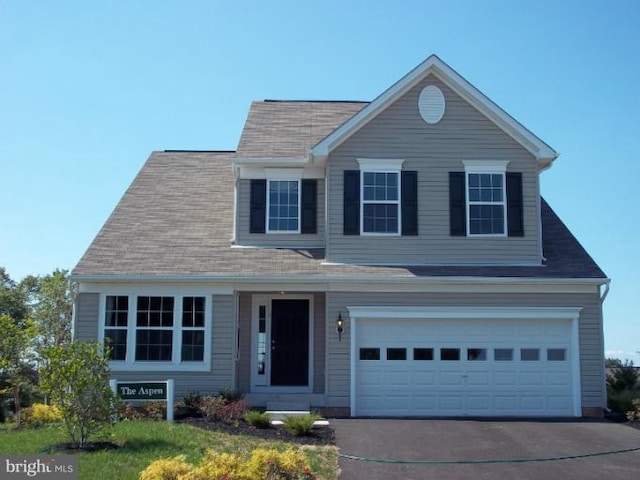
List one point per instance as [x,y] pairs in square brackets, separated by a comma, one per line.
[393,441]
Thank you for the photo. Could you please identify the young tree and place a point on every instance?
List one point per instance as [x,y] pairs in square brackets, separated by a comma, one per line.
[76,378]
[15,351]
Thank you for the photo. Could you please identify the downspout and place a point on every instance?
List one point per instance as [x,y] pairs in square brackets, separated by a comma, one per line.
[603,296]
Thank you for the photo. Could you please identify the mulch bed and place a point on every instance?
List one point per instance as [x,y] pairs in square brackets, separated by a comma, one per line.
[318,436]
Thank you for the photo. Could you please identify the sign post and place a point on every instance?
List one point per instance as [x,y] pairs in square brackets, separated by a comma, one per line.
[141,391]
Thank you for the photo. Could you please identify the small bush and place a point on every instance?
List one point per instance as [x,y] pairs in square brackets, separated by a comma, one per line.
[229,395]
[634,413]
[128,412]
[155,410]
[263,464]
[39,414]
[192,400]
[622,401]
[258,419]
[217,408]
[300,425]
[166,469]
[271,464]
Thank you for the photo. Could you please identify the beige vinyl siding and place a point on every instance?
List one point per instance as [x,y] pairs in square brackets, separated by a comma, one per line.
[319,340]
[86,317]
[433,151]
[590,332]
[243,237]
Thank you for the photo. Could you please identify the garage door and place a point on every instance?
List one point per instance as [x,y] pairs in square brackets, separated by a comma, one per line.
[415,367]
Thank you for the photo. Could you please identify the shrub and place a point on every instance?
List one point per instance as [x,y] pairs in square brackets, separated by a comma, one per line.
[257,419]
[229,395]
[39,414]
[622,401]
[263,464]
[155,410]
[216,408]
[191,400]
[166,469]
[271,464]
[634,413]
[128,412]
[300,425]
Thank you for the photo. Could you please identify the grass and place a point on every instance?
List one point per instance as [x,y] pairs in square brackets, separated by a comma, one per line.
[143,441]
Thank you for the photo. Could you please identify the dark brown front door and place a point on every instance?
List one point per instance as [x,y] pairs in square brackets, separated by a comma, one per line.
[290,342]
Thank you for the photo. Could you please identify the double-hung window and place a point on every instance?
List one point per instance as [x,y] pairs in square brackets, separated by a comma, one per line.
[380,196]
[486,198]
[115,326]
[283,206]
[157,331]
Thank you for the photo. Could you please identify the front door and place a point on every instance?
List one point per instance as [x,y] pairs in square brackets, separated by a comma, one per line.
[290,342]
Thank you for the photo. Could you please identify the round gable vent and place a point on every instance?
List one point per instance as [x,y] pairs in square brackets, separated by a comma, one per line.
[431,104]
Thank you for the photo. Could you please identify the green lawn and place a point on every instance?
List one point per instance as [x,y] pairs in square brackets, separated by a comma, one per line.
[144,441]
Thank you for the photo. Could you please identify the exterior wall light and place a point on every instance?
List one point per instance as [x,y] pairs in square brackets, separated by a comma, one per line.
[339,326]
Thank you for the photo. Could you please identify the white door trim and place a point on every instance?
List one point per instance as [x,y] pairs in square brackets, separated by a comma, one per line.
[363,312]
[261,385]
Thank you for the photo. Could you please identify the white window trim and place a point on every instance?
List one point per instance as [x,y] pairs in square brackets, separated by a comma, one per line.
[380,165]
[176,365]
[497,167]
[268,208]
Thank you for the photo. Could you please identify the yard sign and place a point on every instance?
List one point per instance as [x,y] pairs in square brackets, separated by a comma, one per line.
[146,391]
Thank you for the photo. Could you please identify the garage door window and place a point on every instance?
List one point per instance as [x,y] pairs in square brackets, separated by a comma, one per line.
[396,353]
[474,354]
[529,354]
[450,354]
[423,353]
[556,354]
[369,354]
[503,354]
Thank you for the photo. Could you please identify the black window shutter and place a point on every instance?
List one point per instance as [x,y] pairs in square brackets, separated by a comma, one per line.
[351,220]
[409,203]
[308,206]
[258,202]
[457,204]
[515,222]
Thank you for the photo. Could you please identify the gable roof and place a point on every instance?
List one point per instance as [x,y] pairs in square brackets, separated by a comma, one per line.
[435,66]
[288,129]
[175,221]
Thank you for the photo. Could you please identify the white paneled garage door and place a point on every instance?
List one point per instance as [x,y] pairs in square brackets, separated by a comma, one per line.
[459,367]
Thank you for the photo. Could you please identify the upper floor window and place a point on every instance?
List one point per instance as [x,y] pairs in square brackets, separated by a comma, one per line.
[380,202]
[486,200]
[486,205]
[284,206]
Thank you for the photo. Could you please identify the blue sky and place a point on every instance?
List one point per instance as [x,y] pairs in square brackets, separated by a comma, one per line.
[89,89]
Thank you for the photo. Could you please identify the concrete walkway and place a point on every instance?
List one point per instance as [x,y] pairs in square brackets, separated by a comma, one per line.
[454,440]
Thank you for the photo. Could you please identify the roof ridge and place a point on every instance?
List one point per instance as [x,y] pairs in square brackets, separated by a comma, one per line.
[271,100]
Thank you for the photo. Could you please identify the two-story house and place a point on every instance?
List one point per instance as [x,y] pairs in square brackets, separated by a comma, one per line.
[391,257]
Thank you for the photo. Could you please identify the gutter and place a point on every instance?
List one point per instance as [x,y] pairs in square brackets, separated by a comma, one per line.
[604,294]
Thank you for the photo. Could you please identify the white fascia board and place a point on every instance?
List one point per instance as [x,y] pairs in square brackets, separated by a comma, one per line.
[272,161]
[415,312]
[543,153]
[253,172]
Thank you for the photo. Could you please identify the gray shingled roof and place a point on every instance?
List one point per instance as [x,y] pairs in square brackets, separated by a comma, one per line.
[176,220]
[291,128]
